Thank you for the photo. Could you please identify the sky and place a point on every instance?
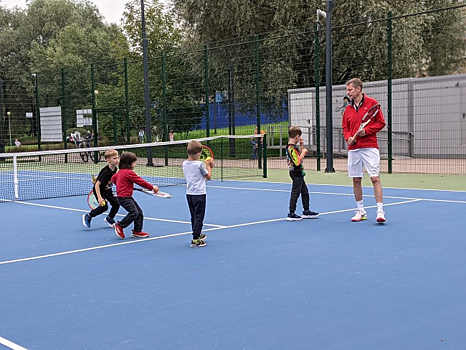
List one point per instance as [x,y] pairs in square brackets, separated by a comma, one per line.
[112,10]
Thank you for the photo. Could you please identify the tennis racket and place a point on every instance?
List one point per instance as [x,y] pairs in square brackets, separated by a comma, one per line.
[92,201]
[206,153]
[371,113]
[158,194]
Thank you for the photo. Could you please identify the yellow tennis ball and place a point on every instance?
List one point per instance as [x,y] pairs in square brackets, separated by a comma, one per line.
[208,159]
[102,204]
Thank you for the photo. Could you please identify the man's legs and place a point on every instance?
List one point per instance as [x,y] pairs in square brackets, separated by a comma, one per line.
[378,192]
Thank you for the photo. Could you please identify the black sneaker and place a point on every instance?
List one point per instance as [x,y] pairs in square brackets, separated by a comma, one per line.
[202,236]
[110,221]
[309,214]
[197,243]
[293,217]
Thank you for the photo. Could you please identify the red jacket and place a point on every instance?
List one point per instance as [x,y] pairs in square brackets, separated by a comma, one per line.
[124,181]
[352,120]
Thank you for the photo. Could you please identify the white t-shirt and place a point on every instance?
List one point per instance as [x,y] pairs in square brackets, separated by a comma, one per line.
[194,172]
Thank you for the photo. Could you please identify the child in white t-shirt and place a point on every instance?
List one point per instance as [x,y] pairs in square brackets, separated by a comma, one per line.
[196,174]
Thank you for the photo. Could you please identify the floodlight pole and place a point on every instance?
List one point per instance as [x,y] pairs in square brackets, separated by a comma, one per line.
[329,85]
[146,86]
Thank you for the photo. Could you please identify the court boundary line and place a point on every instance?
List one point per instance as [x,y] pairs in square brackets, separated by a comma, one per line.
[122,215]
[342,194]
[350,186]
[10,344]
[218,227]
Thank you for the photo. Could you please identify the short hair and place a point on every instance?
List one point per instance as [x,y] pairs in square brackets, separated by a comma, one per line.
[356,82]
[194,147]
[127,159]
[294,131]
[346,98]
[110,154]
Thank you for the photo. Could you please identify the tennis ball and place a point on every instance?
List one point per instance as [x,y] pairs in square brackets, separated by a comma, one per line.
[102,204]
[208,159]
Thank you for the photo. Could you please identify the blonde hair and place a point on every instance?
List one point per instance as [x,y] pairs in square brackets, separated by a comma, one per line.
[294,131]
[110,154]
[356,82]
[194,147]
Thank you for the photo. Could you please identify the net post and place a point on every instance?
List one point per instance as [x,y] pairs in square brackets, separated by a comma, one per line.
[264,167]
[221,159]
[15,176]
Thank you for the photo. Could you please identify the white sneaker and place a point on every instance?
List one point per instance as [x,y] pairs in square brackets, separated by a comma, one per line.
[380,216]
[360,215]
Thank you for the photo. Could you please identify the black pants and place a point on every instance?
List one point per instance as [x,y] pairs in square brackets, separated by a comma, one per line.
[299,188]
[135,213]
[109,198]
[196,204]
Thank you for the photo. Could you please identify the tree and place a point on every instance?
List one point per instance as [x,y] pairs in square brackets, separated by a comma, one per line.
[54,36]
[424,41]
[163,36]
[443,36]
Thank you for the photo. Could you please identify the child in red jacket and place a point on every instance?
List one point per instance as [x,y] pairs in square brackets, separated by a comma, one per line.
[124,180]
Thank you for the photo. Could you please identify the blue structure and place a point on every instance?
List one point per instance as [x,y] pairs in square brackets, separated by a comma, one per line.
[219,116]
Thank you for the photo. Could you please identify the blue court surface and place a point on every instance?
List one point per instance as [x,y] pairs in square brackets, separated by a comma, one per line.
[260,283]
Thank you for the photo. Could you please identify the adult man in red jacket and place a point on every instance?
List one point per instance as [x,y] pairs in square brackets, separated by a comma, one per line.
[363,149]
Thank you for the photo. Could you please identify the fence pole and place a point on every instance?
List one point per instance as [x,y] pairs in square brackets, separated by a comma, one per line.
[390,88]
[328,87]
[128,132]
[36,93]
[94,108]
[207,97]
[258,97]
[164,98]
[63,111]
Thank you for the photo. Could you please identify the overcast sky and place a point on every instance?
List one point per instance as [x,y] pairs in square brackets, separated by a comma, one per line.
[112,10]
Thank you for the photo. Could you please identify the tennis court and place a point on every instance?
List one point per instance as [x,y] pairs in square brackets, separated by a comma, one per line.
[261,282]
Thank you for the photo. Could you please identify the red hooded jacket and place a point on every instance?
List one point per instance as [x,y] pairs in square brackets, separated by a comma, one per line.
[124,181]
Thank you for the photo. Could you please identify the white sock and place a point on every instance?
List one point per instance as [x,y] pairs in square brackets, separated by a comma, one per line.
[360,205]
[379,206]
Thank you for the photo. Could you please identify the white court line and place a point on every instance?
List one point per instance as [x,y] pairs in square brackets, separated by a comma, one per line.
[365,186]
[217,227]
[10,344]
[122,215]
[100,247]
[340,194]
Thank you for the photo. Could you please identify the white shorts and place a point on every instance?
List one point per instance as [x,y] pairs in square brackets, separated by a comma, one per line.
[368,158]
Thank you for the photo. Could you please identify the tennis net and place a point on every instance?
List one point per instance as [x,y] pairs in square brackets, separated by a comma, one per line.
[65,173]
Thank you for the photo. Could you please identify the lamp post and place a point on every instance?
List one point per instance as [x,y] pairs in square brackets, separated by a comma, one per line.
[9,125]
[146,86]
